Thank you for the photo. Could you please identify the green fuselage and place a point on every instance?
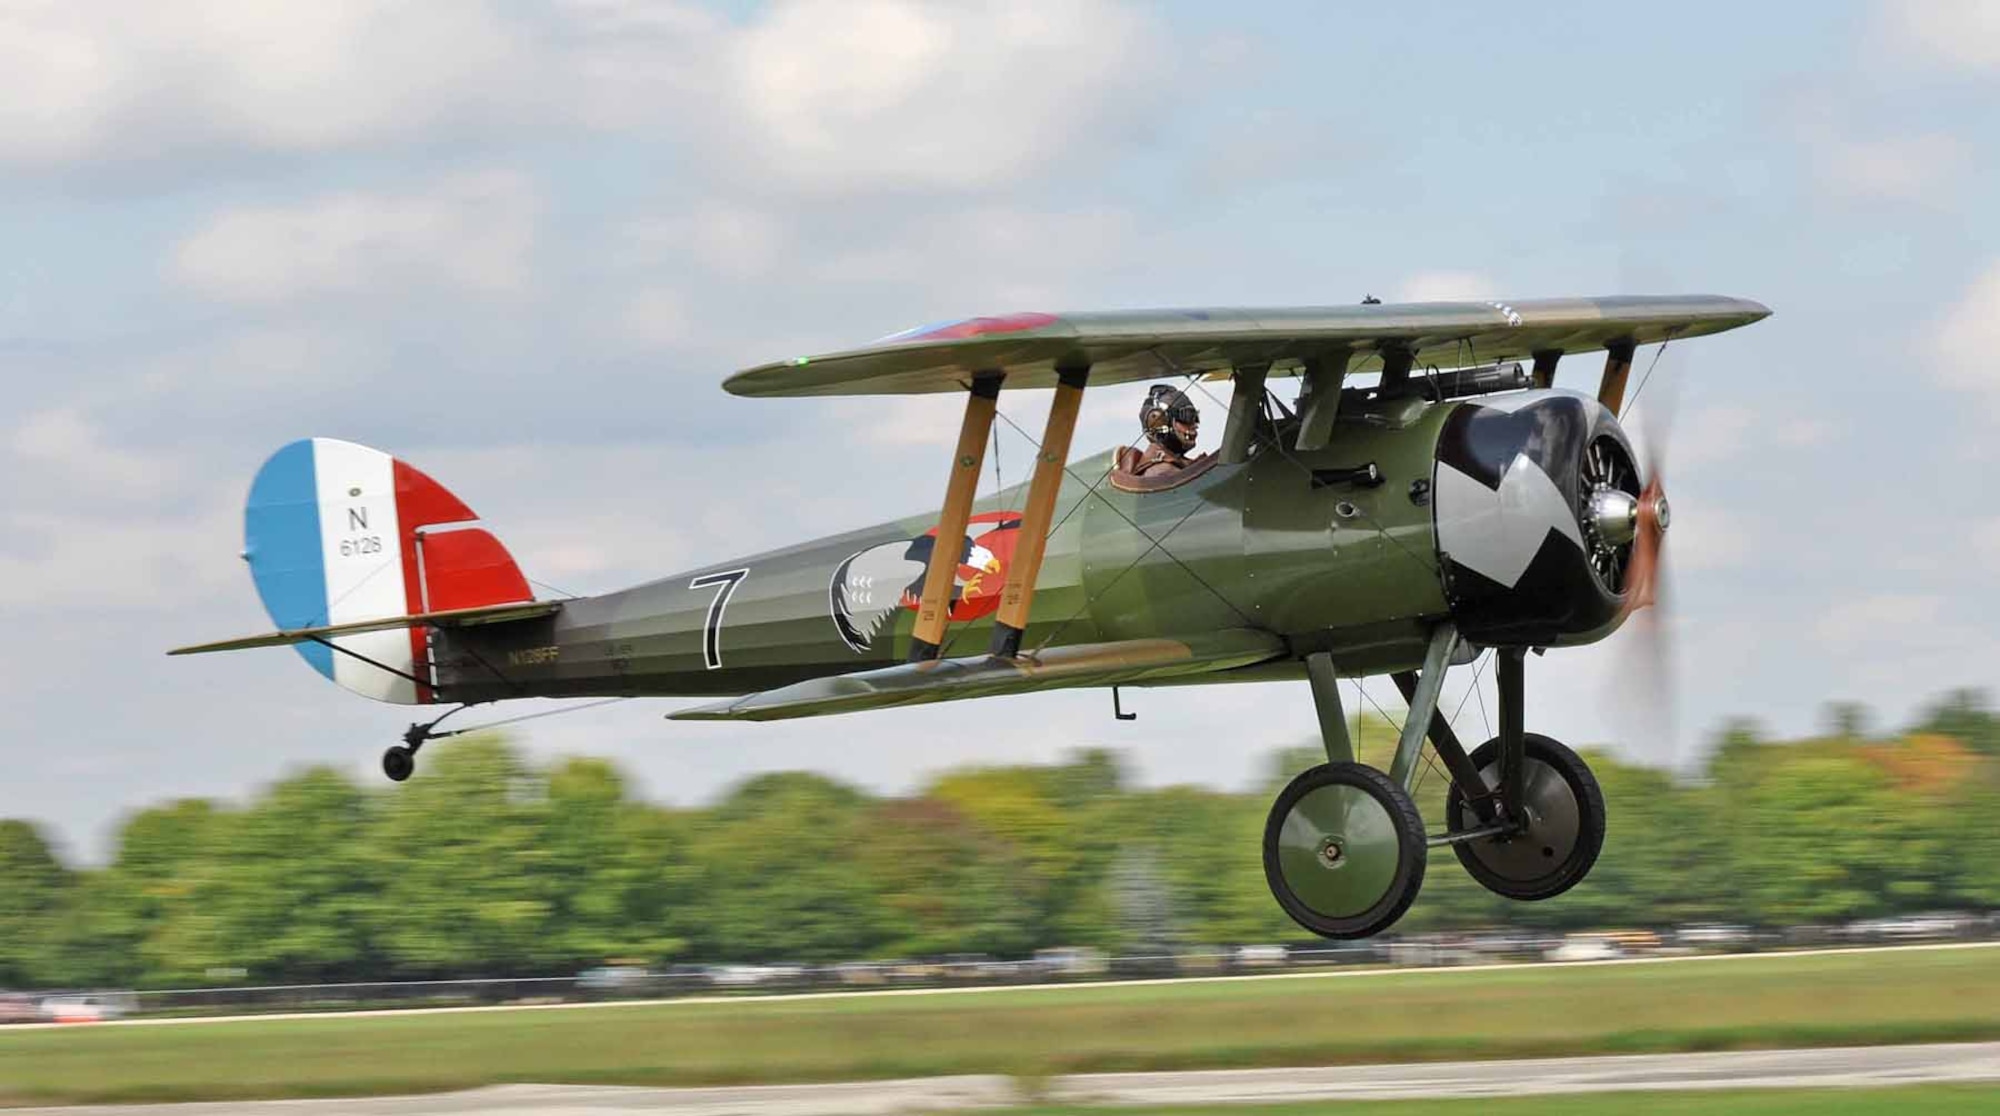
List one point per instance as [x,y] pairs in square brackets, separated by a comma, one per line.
[1328,566]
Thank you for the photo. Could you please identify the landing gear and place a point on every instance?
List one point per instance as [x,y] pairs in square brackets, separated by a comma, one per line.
[1555,840]
[1344,850]
[400,761]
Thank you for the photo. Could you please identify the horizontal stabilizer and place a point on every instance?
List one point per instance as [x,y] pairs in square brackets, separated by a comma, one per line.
[449,618]
[1090,664]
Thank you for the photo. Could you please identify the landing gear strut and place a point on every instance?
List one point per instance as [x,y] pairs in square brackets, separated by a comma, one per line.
[400,761]
[1549,803]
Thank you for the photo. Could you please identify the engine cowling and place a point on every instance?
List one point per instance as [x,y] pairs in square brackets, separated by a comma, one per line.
[1537,498]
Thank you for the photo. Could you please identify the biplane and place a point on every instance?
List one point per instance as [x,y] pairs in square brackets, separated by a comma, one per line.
[1423,495]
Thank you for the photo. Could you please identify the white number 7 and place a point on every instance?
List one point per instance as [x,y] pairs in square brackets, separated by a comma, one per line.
[711,632]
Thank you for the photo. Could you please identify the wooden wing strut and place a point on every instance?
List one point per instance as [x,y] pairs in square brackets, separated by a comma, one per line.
[1018,594]
[934,605]
[1617,368]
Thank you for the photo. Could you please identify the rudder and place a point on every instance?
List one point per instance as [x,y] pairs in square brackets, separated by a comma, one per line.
[336,532]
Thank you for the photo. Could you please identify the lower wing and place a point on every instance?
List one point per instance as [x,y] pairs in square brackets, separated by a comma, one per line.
[1089,664]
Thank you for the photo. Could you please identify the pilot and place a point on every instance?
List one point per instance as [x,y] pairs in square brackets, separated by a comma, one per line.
[1172,424]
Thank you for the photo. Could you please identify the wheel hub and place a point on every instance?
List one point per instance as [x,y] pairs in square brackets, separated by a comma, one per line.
[1547,830]
[1330,852]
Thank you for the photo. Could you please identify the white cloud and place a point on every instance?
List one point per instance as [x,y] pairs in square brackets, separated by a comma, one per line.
[987,259]
[819,94]
[99,561]
[1712,539]
[89,523]
[1968,338]
[1880,618]
[1960,33]
[1856,153]
[470,232]
[1911,168]
[124,80]
[70,447]
[1986,543]
[1714,434]
[723,237]
[1445,286]
[654,317]
[857,93]
[1805,431]
[930,421]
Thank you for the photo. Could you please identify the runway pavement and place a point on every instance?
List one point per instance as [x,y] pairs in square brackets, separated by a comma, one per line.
[1848,1067]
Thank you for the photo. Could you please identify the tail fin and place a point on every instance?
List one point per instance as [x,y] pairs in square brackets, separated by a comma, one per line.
[336,533]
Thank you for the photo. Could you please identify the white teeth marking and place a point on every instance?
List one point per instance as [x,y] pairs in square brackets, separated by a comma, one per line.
[1498,533]
[868,588]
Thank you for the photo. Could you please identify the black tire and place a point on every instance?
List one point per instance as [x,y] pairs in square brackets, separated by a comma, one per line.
[1330,808]
[1565,823]
[398,762]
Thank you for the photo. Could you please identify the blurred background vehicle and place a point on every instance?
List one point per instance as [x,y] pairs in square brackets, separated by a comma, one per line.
[611,981]
[1070,961]
[1257,956]
[1716,936]
[88,1007]
[1585,947]
[18,1007]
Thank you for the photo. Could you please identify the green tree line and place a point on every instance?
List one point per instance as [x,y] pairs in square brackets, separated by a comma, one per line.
[488,865]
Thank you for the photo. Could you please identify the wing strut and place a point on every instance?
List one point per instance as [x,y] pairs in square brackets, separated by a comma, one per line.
[1246,406]
[1617,367]
[1324,374]
[1018,594]
[1545,367]
[934,606]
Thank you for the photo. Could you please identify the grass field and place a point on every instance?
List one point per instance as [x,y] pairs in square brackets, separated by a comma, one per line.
[1921,1100]
[1855,998]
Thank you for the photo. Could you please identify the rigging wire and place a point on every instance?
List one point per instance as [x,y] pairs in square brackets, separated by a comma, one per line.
[1133,565]
[1633,403]
[1430,764]
[556,589]
[533,716]
[1478,664]
[999,483]
[1484,724]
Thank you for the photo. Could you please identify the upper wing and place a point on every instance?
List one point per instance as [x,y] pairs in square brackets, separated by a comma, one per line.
[1089,664]
[1124,345]
[449,618]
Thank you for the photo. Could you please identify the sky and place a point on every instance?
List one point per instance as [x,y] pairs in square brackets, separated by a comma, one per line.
[520,244]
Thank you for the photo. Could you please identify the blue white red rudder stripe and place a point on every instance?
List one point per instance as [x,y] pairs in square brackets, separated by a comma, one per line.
[336,533]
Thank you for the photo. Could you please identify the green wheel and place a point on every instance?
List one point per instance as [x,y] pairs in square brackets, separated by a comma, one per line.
[1565,828]
[1344,850]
